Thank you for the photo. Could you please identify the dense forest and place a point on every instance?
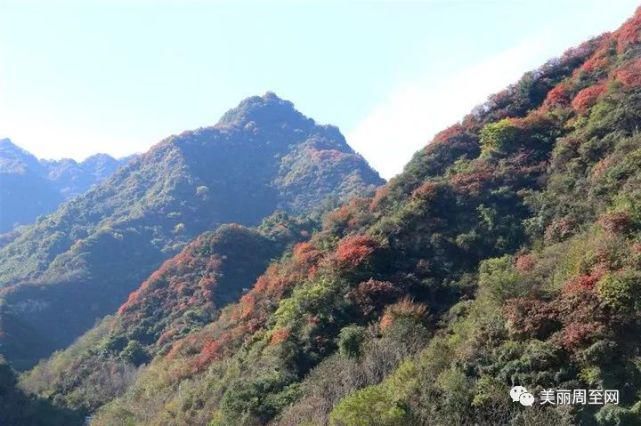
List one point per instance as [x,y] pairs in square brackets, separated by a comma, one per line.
[508,252]
[78,264]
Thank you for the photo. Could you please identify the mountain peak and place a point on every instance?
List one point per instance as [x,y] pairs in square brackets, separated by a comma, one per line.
[6,144]
[266,110]
[15,159]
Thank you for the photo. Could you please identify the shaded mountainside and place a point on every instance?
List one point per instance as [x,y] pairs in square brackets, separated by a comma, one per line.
[182,296]
[80,263]
[17,408]
[30,187]
[507,252]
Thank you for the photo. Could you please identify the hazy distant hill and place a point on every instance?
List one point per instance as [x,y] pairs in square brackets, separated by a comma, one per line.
[80,263]
[30,187]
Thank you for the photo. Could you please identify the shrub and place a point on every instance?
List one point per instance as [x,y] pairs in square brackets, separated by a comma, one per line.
[498,136]
[499,280]
[621,291]
[373,405]
[405,309]
[134,353]
[350,340]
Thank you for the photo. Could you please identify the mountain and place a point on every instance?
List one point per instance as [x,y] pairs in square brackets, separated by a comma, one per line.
[78,264]
[30,187]
[183,295]
[71,178]
[507,253]
[25,192]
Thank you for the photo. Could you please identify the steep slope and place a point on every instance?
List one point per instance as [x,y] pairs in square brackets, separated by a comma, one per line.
[182,296]
[30,187]
[80,263]
[506,253]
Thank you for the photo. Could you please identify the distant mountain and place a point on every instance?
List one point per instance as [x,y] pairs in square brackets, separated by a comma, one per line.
[508,252]
[30,187]
[25,190]
[80,263]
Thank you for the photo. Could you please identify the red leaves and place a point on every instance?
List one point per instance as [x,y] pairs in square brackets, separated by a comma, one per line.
[525,263]
[210,352]
[629,75]
[572,320]
[472,182]
[576,334]
[587,97]
[355,249]
[452,131]
[629,33]
[306,253]
[279,336]
[426,191]
[531,317]
[582,283]
[560,229]
[349,216]
[600,60]
[559,95]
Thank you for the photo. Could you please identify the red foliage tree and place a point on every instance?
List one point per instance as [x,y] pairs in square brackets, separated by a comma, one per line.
[444,135]
[629,75]
[525,263]
[427,190]
[559,95]
[472,181]
[600,60]
[531,318]
[355,249]
[582,283]
[586,98]
[629,33]
[279,336]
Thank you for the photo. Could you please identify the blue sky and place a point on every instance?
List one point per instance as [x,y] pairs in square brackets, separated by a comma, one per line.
[79,77]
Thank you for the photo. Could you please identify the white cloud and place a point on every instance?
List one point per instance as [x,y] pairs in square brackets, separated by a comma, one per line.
[414,112]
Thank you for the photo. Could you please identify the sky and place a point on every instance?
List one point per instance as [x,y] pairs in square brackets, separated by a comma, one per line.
[81,77]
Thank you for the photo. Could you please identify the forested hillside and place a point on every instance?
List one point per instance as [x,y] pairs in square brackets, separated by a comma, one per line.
[78,264]
[507,252]
[182,296]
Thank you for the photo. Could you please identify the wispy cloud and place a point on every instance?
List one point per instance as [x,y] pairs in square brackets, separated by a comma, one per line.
[412,113]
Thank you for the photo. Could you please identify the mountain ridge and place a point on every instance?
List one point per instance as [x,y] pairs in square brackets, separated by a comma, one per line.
[114,235]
